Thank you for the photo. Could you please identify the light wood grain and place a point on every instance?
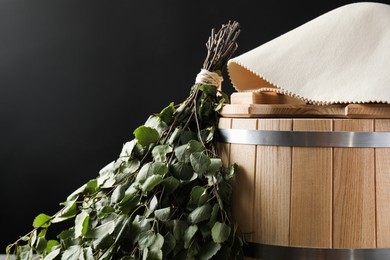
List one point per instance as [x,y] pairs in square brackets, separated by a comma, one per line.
[282,110]
[368,111]
[354,191]
[295,110]
[263,98]
[224,148]
[272,193]
[382,160]
[311,190]
[244,181]
[224,152]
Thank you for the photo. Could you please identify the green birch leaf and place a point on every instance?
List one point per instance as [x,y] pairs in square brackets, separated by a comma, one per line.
[69,211]
[104,212]
[160,152]
[81,224]
[53,254]
[103,242]
[118,194]
[100,181]
[166,114]
[41,245]
[157,243]
[91,186]
[194,146]
[149,169]
[182,171]
[207,134]
[126,198]
[42,220]
[127,149]
[155,122]
[230,171]
[122,227]
[131,166]
[179,227]
[214,215]
[8,249]
[51,245]
[198,197]
[200,214]
[74,252]
[102,230]
[26,238]
[218,106]
[88,254]
[110,181]
[174,136]
[183,152]
[169,243]
[34,236]
[130,203]
[200,162]
[25,252]
[155,255]
[151,182]
[209,250]
[66,234]
[144,173]
[109,168]
[74,195]
[225,192]
[215,166]
[131,190]
[220,232]
[170,184]
[108,251]
[193,250]
[146,135]
[42,232]
[67,238]
[209,90]
[180,153]
[187,136]
[152,206]
[158,168]
[163,214]
[189,233]
[139,225]
[146,239]
[145,253]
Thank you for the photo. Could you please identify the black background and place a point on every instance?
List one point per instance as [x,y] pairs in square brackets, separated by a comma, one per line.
[77,77]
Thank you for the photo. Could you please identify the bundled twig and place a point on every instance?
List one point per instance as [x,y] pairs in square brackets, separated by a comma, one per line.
[221,46]
[166,196]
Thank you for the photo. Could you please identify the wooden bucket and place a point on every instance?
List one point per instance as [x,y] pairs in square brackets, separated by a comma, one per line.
[313,182]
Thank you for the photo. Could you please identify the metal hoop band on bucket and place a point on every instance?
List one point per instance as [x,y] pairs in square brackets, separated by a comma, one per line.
[305,138]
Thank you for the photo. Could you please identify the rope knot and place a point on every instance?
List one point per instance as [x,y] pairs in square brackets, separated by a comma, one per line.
[206,77]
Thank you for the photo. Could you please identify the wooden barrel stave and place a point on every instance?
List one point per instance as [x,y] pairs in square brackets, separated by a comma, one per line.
[311,197]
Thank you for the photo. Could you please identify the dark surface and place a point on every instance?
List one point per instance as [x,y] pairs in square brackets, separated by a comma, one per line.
[77,77]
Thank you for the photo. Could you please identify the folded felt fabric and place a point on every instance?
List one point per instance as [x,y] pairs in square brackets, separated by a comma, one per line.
[342,56]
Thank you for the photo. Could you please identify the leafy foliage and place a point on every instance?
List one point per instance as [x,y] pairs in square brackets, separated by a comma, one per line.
[167,196]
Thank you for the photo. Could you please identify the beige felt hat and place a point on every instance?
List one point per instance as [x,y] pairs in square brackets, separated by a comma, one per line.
[342,56]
